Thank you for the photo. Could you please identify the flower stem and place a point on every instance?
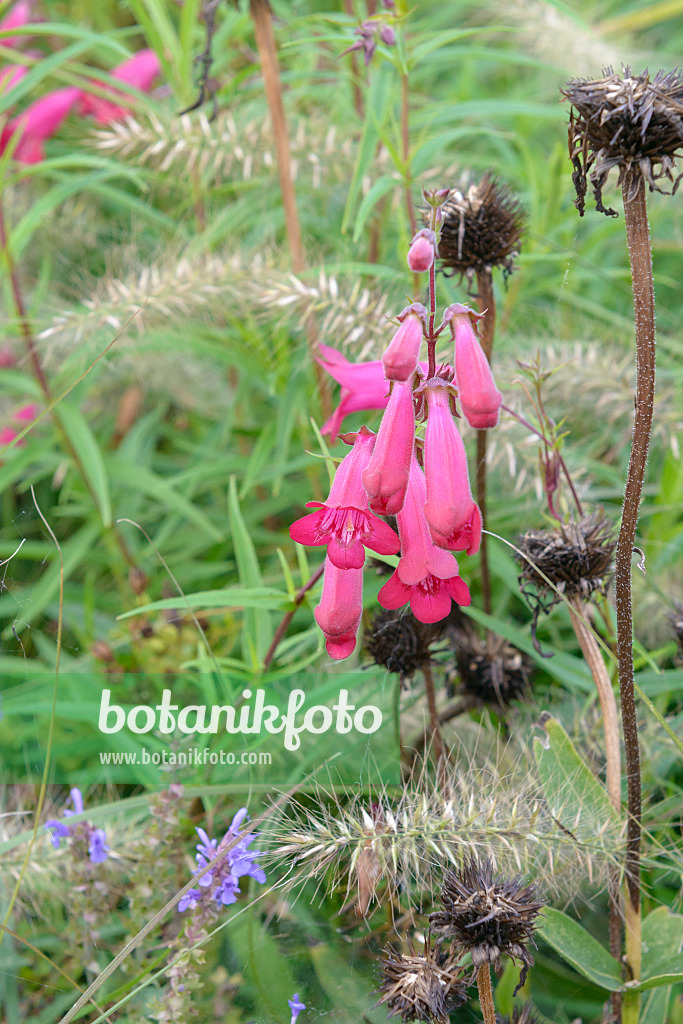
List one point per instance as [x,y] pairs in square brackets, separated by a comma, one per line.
[405,142]
[488,1010]
[287,618]
[640,255]
[487,304]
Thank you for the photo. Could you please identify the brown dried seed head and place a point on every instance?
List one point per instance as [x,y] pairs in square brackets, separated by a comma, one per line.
[481,228]
[631,122]
[424,988]
[489,669]
[399,641]
[576,558]
[489,916]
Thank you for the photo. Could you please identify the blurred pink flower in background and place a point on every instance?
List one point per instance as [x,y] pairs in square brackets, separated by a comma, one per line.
[363,386]
[27,413]
[10,75]
[37,123]
[138,71]
[7,435]
[17,17]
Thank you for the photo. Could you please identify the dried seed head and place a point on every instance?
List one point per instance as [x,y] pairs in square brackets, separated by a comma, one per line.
[399,641]
[491,670]
[489,916]
[576,558]
[629,122]
[424,988]
[481,228]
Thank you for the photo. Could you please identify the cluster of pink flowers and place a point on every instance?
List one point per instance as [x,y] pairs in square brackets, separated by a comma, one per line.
[27,131]
[424,483]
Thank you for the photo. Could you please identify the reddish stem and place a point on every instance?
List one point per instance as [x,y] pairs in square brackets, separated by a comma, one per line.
[287,618]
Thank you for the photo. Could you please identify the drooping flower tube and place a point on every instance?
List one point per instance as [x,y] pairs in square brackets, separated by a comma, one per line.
[363,387]
[37,123]
[340,609]
[344,522]
[386,477]
[479,397]
[400,359]
[426,576]
[453,515]
[138,71]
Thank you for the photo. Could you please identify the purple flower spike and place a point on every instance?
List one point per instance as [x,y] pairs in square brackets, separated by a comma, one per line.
[98,849]
[296,1006]
[58,830]
[189,900]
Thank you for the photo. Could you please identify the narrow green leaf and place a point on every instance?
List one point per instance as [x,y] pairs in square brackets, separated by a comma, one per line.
[137,478]
[576,798]
[667,972]
[581,950]
[229,597]
[256,630]
[351,995]
[84,444]
[379,189]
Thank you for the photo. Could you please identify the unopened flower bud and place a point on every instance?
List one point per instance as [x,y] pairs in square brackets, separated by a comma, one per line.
[422,251]
[387,35]
[400,359]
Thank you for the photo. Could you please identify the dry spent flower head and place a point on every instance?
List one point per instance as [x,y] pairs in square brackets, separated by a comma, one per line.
[481,228]
[399,642]
[422,251]
[627,121]
[576,558]
[489,916]
[424,987]
[489,669]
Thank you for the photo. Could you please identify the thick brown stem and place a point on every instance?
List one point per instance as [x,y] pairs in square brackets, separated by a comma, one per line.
[638,235]
[488,327]
[265,42]
[287,618]
[488,1010]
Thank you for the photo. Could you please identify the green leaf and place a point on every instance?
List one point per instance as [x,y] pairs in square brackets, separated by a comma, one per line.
[581,950]
[351,994]
[264,965]
[375,193]
[665,973]
[84,444]
[655,1005]
[137,478]
[228,597]
[256,632]
[576,798]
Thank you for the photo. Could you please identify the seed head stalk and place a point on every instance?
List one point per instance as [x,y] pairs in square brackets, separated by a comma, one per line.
[261,16]
[640,255]
[488,1010]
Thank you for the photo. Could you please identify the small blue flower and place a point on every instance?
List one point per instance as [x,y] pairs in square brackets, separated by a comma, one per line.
[227,866]
[97,848]
[296,1006]
[189,900]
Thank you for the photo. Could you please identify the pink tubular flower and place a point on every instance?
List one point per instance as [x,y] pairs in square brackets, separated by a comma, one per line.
[386,477]
[37,123]
[400,359]
[343,521]
[363,386]
[479,397]
[138,71]
[340,609]
[19,16]
[453,516]
[422,251]
[426,576]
